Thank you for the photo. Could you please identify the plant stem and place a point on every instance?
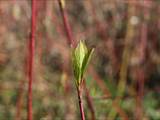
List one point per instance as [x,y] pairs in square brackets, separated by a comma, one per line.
[79,91]
[140,71]
[31,59]
[125,60]
[66,24]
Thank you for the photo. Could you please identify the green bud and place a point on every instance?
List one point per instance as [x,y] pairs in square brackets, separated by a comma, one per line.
[80,59]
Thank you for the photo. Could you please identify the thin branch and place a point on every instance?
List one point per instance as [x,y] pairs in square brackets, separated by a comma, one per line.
[31,58]
[71,42]
[66,24]
[79,91]
[125,59]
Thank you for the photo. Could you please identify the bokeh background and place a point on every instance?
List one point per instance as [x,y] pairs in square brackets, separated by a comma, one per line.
[122,80]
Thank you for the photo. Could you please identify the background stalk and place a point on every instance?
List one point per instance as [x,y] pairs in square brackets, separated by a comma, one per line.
[125,61]
[31,59]
[66,24]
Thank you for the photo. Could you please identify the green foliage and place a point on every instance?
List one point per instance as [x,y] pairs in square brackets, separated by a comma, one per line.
[151,106]
[111,86]
[80,59]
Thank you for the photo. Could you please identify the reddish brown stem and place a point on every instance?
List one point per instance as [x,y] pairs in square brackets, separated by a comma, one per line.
[71,42]
[66,24]
[79,91]
[31,58]
[141,71]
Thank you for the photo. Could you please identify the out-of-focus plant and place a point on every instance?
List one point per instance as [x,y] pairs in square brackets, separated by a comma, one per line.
[80,58]
[31,58]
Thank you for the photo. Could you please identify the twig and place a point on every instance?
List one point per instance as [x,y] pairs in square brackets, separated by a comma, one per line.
[71,42]
[79,91]
[66,24]
[31,58]
[141,72]
[125,59]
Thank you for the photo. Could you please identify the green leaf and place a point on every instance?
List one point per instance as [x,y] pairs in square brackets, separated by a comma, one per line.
[80,52]
[86,60]
[80,58]
[76,68]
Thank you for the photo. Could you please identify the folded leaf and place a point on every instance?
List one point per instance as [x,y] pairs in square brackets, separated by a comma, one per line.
[80,58]
[86,61]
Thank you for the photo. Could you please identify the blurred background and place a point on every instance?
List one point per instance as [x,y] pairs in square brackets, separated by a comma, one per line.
[122,80]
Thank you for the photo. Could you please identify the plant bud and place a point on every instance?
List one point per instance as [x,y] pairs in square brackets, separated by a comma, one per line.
[80,58]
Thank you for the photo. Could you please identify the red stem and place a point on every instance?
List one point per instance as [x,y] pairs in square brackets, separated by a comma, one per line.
[66,25]
[31,58]
[80,103]
[71,42]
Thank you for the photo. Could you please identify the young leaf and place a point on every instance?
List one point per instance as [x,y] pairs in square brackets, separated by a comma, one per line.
[80,52]
[76,68]
[80,58]
[86,60]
